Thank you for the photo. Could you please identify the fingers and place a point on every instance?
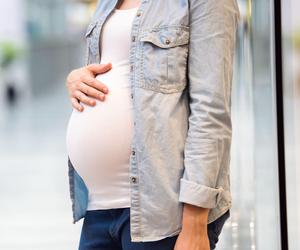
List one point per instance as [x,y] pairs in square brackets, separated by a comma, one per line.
[91,91]
[99,68]
[82,86]
[96,84]
[76,104]
[83,98]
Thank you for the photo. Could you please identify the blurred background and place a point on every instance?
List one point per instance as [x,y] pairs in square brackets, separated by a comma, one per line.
[41,41]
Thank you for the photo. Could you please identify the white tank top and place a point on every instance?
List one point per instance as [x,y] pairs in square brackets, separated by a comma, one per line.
[99,138]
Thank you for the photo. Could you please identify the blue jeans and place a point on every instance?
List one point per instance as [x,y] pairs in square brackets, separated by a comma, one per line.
[109,229]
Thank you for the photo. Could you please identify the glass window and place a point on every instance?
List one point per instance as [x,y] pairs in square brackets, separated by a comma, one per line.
[291,97]
[254,169]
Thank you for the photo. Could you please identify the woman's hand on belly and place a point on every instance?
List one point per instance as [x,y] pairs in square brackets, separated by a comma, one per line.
[82,84]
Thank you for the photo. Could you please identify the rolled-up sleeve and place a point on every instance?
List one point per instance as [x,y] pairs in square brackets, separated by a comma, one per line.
[213,26]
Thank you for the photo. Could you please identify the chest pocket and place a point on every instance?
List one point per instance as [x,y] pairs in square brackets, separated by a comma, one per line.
[92,38]
[164,58]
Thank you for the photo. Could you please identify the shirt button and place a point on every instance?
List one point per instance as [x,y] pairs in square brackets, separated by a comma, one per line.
[139,13]
[131,67]
[131,96]
[168,41]
[133,39]
[133,179]
[133,152]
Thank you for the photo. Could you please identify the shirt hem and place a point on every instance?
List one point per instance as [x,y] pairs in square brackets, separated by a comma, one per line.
[219,214]
[153,238]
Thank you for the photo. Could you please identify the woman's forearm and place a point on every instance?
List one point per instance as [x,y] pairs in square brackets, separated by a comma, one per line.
[194,217]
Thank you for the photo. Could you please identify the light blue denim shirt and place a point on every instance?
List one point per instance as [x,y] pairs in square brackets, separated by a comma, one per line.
[181,59]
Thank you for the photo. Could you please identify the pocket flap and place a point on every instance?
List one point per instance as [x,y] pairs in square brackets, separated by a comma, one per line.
[166,36]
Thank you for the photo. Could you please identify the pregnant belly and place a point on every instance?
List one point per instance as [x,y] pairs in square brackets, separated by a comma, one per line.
[99,138]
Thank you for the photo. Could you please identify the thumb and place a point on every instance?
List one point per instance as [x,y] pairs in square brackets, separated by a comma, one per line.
[99,68]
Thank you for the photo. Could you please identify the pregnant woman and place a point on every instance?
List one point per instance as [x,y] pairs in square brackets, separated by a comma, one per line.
[149,136]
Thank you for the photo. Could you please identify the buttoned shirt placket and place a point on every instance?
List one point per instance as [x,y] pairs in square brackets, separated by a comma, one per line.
[135,211]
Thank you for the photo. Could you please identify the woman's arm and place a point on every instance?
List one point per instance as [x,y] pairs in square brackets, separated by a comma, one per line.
[213,26]
[212,40]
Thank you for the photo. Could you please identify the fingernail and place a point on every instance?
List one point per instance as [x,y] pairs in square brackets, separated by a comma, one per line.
[105,90]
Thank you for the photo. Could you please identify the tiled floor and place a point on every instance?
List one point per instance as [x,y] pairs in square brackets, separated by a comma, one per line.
[35,206]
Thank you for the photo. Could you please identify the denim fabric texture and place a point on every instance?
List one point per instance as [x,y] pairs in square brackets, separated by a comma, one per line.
[181,59]
[109,229]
